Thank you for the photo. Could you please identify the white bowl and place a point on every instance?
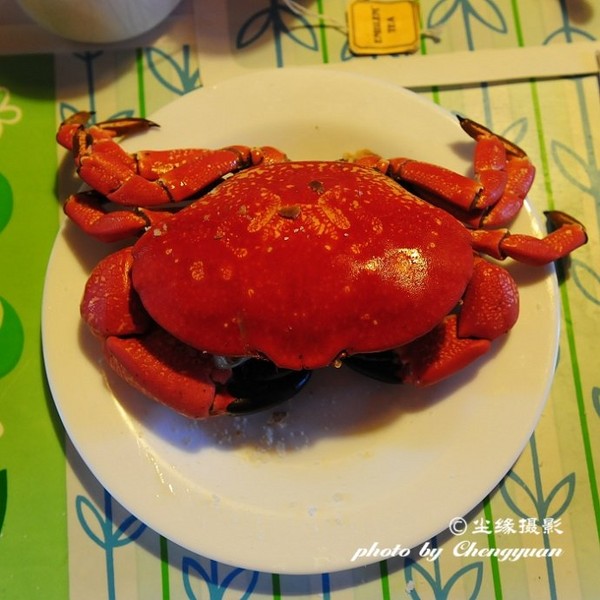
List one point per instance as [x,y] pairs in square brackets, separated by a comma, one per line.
[98,21]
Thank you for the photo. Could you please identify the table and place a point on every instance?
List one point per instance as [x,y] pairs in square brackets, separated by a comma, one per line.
[522,68]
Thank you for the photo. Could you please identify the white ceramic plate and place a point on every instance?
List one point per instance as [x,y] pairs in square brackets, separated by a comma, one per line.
[353,462]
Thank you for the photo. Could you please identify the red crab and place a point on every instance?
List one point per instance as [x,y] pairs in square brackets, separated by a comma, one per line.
[228,304]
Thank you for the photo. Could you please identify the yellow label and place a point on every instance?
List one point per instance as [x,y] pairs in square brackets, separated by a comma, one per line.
[383,27]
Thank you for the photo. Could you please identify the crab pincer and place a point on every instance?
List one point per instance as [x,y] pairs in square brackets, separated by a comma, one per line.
[488,309]
[189,382]
[159,365]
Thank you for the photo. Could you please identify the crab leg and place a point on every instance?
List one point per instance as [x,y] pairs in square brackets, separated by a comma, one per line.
[465,198]
[503,177]
[425,361]
[150,163]
[149,178]
[107,168]
[505,172]
[86,210]
[430,179]
[102,130]
[568,235]
[489,164]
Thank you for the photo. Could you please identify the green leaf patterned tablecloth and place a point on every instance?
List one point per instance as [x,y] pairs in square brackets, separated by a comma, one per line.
[62,535]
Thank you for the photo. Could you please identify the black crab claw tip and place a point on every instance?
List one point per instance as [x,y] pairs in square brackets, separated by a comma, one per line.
[477,130]
[557,218]
[381,366]
[258,384]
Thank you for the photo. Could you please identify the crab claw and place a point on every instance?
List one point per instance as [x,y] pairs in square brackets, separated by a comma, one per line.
[187,381]
[489,309]
[426,361]
[164,368]
[490,304]
[171,373]
[110,306]
[87,211]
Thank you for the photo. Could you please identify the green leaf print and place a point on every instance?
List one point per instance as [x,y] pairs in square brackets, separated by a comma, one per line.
[3,496]
[6,201]
[11,337]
